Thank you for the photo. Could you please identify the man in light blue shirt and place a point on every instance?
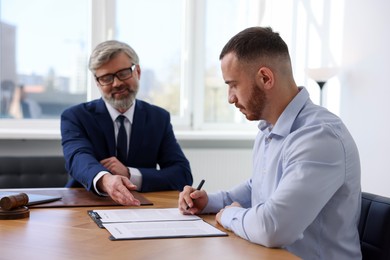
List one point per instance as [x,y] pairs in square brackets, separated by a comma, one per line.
[304,194]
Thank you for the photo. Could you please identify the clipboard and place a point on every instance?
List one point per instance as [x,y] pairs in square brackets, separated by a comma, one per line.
[96,218]
[135,224]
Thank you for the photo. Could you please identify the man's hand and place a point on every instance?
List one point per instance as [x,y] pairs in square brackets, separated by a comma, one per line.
[115,167]
[219,214]
[196,200]
[118,188]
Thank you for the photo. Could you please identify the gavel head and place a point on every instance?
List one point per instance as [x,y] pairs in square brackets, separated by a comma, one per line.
[14,201]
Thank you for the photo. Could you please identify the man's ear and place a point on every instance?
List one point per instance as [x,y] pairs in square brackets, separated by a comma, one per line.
[266,77]
[138,69]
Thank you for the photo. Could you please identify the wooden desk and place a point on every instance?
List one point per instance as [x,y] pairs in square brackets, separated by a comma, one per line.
[69,233]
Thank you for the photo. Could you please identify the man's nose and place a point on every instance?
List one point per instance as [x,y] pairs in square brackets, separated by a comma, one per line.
[116,82]
[231,97]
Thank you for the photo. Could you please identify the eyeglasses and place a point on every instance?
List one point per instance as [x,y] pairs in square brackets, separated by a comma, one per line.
[121,75]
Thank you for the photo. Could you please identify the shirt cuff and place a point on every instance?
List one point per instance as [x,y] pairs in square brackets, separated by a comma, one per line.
[95,181]
[231,214]
[214,204]
[136,177]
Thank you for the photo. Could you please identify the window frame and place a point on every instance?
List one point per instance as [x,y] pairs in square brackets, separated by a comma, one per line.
[191,119]
[102,17]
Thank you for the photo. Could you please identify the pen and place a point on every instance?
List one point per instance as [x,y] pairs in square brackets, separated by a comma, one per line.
[198,188]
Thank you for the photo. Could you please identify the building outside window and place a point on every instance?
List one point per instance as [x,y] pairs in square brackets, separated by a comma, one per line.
[43,57]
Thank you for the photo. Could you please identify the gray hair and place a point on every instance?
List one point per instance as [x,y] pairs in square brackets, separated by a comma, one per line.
[108,50]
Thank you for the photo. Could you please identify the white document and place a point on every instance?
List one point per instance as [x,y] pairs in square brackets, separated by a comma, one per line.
[142,215]
[162,229]
[152,223]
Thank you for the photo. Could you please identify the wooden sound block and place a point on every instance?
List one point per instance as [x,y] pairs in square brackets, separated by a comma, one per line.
[18,213]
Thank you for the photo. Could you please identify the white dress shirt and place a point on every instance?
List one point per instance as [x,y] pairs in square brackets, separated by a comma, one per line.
[136,176]
[304,194]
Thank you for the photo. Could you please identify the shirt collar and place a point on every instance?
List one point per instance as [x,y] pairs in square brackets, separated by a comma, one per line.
[285,121]
[129,114]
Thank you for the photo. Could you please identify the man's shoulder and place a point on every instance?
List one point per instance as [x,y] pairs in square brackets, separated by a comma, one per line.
[85,106]
[143,105]
[320,116]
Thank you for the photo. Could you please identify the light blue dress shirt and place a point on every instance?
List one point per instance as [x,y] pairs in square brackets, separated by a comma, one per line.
[304,194]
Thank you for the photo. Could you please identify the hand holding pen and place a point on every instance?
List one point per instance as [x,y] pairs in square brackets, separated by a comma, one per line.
[198,188]
[192,201]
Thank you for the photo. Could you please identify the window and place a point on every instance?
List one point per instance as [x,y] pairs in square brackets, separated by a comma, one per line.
[224,18]
[178,47]
[154,30]
[44,54]
[43,57]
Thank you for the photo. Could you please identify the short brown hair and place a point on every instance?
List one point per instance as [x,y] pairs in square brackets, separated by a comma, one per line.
[256,42]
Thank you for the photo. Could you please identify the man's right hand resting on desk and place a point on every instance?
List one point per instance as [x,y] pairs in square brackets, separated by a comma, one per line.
[117,184]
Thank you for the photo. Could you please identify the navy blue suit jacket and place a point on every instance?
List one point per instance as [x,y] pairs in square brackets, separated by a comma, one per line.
[88,136]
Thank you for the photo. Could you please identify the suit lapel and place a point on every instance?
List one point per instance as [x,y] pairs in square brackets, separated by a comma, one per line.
[137,130]
[104,120]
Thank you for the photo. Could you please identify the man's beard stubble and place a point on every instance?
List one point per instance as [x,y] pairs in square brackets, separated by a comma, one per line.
[256,104]
[122,104]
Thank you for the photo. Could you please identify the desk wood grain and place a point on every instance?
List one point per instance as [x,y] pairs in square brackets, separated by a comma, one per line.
[69,233]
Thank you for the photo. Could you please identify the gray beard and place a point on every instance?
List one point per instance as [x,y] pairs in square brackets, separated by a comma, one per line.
[122,104]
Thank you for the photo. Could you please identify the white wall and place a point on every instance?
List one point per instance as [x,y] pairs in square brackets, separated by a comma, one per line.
[365,88]
[221,168]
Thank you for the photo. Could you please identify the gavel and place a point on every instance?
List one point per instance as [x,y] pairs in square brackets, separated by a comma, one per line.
[14,201]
